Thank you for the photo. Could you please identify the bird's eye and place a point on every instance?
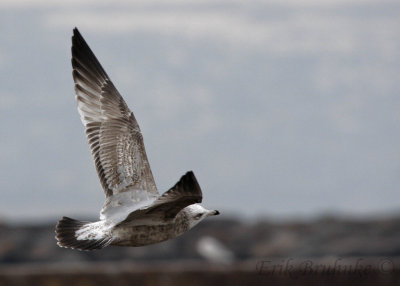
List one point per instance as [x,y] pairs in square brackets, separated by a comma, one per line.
[198,216]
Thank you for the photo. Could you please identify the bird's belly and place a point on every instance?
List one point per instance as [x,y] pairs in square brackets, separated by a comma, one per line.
[141,235]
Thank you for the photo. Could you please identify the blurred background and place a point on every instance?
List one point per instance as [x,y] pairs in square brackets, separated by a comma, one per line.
[286,111]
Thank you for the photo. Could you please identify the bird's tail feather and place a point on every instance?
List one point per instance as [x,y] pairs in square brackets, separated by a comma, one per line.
[81,235]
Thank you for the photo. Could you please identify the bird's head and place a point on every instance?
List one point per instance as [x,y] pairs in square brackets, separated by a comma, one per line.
[197,213]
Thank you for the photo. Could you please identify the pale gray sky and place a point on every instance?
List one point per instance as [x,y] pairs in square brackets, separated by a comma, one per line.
[283,108]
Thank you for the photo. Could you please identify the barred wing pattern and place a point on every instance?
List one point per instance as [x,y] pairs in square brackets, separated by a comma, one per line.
[111,128]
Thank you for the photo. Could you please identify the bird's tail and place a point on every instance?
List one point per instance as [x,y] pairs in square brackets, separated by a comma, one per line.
[81,235]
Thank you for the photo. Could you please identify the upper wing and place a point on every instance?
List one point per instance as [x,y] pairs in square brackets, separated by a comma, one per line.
[111,128]
[184,193]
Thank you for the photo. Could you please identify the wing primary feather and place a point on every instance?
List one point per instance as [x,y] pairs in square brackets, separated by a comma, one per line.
[112,132]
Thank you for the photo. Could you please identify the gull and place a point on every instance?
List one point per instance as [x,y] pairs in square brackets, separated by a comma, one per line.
[134,213]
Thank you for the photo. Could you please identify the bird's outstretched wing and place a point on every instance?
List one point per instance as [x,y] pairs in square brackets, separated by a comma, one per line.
[112,131]
[184,193]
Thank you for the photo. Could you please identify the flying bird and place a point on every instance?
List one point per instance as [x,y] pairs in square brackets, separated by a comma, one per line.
[134,213]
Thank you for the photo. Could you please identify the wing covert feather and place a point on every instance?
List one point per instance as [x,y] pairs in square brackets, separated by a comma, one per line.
[112,131]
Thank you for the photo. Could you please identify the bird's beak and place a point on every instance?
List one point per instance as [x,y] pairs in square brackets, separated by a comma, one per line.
[215,212]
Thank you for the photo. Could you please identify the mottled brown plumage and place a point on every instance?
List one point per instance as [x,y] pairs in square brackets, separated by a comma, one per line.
[134,214]
[113,134]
